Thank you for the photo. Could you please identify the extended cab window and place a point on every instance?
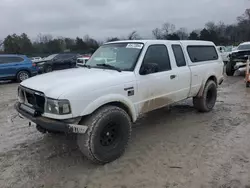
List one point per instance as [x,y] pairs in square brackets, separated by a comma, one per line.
[179,55]
[158,54]
[202,53]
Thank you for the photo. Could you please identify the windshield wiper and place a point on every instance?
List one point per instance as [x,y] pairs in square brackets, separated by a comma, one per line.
[109,66]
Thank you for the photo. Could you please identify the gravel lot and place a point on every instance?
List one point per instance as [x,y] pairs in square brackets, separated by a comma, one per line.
[176,147]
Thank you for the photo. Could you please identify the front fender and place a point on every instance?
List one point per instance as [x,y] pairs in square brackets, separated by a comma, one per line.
[109,99]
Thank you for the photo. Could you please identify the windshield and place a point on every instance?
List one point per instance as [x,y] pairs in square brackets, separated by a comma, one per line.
[51,56]
[119,55]
[244,47]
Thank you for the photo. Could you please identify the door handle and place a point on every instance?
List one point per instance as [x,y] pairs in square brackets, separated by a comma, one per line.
[173,76]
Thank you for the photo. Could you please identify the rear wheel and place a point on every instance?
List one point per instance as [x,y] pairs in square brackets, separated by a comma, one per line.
[109,130]
[22,75]
[48,69]
[230,68]
[206,102]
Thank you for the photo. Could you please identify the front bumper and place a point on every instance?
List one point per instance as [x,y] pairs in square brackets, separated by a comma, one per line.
[49,124]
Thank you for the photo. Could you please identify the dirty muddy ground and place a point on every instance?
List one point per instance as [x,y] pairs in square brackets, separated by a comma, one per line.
[176,147]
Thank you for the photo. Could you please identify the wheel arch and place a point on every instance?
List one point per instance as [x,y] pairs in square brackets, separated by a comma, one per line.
[115,100]
[23,69]
[211,77]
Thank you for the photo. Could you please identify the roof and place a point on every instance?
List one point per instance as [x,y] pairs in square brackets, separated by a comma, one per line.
[245,43]
[192,42]
[12,55]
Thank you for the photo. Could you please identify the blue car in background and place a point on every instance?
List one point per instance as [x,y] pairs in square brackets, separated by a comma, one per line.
[16,67]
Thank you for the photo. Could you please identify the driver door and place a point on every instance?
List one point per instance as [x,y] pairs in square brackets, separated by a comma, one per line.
[155,90]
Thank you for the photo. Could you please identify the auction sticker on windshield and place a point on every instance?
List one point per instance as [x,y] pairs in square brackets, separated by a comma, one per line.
[134,45]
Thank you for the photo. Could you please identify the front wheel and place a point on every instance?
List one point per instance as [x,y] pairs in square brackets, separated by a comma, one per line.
[206,102]
[109,130]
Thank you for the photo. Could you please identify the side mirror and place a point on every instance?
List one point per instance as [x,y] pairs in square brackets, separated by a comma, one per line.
[148,68]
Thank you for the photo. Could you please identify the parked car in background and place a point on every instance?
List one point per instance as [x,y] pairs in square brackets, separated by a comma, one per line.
[224,52]
[50,57]
[40,63]
[238,59]
[58,62]
[16,67]
[34,59]
[82,60]
[61,61]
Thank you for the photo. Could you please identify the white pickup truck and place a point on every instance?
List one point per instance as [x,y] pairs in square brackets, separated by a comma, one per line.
[100,101]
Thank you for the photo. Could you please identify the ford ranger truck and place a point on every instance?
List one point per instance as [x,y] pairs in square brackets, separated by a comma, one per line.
[121,81]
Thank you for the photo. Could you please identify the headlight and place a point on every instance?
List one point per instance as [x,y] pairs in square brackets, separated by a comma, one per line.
[59,107]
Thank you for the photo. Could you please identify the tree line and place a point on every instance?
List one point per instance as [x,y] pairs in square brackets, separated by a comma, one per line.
[220,33]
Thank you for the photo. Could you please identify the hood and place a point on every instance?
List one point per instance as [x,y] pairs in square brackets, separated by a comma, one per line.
[56,83]
[235,51]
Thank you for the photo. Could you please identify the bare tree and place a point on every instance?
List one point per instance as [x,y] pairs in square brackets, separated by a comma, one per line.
[133,36]
[182,33]
[245,16]
[112,39]
[167,29]
[157,33]
[1,45]
[211,26]
[44,38]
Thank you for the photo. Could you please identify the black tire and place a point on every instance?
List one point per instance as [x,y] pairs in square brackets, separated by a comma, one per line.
[48,69]
[72,65]
[108,134]
[22,75]
[230,68]
[206,102]
[247,84]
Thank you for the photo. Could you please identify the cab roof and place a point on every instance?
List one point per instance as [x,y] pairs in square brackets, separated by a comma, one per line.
[12,55]
[245,43]
[186,42]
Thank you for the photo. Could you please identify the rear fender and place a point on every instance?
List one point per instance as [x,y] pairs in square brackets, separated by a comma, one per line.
[204,81]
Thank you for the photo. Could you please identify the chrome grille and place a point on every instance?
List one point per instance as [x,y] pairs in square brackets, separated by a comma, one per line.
[32,98]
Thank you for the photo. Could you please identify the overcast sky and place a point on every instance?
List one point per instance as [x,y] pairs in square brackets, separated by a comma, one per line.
[103,18]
